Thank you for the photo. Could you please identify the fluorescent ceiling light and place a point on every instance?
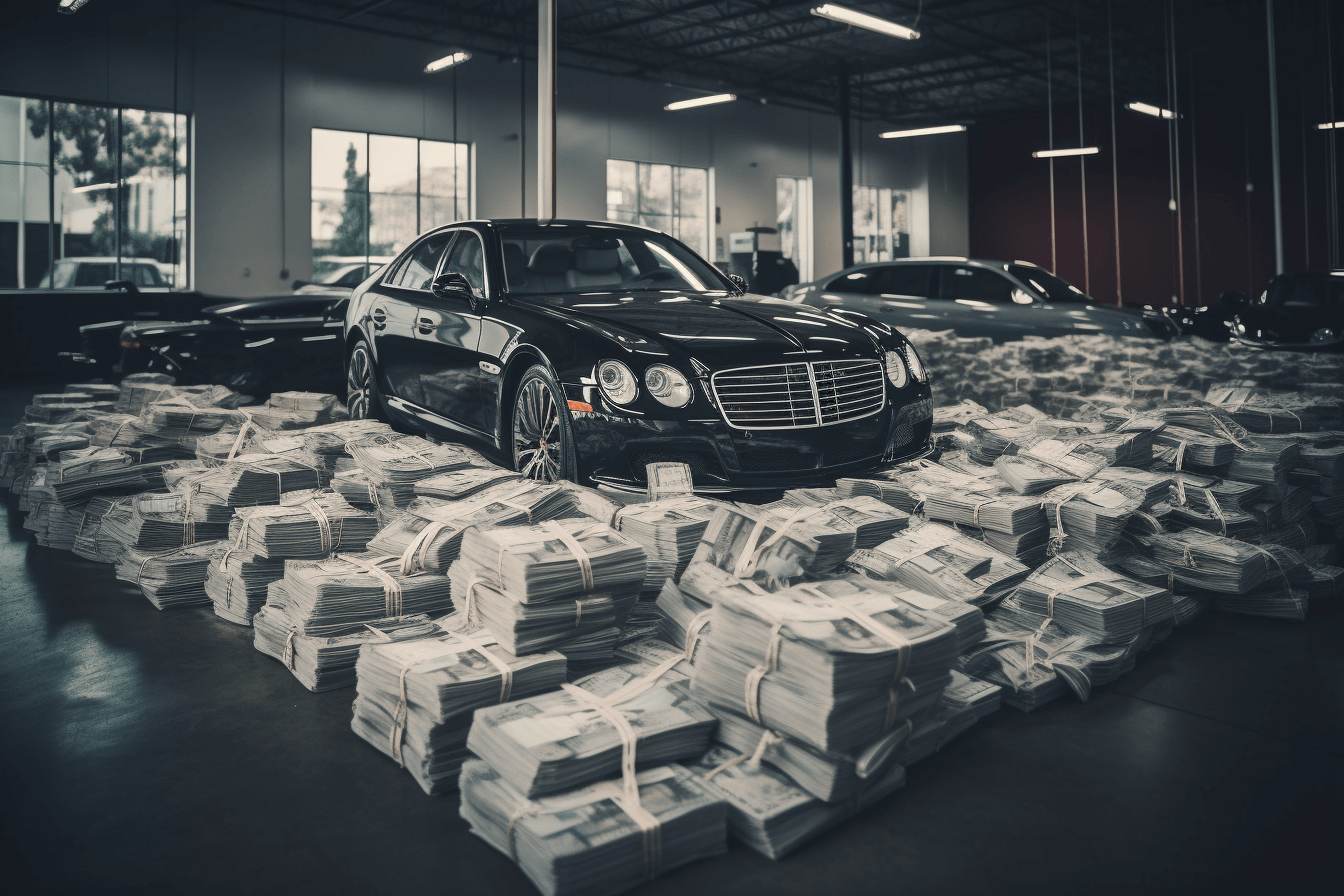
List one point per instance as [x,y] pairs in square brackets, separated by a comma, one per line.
[90,188]
[1155,111]
[455,58]
[920,132]
[1330,126]
[700,101]
[1055,153]
[70,7]
[863,20]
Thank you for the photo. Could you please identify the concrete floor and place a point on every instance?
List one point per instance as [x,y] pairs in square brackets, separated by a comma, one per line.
[155,752]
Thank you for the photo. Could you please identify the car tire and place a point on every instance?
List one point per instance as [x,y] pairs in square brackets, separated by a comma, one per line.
[361,384]
[541,435]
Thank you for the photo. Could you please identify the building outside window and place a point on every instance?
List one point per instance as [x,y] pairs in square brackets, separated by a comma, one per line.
[372,194]
[670,198]
[881,224]
[793,205]
[92,193]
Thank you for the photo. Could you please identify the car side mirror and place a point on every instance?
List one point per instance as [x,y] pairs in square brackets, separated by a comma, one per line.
[739,281]
[120,286]
[451,285]
[1022,297]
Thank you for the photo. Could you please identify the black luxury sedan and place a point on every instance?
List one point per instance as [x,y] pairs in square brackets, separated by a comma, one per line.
[1303,311]
[1003,300]
[253,346]
[585,351]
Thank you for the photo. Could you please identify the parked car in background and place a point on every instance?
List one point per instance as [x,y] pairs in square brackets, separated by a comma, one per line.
[585,351]
[255,346]
[1303,311]
[95,272]
[1003,300]
[330,277]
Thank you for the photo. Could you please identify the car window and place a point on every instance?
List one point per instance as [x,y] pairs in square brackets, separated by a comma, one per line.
[1047,284]
[147,275]
[976,284]
[863,281]
[905,280]
[93,274]
[1309,295]
[350,278]
[417,269]
[468,259]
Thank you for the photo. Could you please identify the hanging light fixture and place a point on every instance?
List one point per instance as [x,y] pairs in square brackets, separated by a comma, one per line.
[457,57]
[858,19]
[711,100]
[1057,153]
[1155,111]
[1330,126]
[920,132]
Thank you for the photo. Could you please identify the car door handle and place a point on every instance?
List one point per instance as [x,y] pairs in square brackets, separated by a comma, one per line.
[426,325]
[379,319]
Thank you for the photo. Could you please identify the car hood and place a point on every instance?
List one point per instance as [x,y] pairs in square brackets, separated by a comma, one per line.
[720,332]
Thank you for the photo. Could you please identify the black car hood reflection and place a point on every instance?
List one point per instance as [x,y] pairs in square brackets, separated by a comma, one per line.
[721,332]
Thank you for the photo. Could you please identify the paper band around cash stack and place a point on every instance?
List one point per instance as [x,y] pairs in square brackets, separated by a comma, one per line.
[391,588]
[752,760]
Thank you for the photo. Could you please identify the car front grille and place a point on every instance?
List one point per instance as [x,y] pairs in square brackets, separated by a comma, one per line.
[801,395]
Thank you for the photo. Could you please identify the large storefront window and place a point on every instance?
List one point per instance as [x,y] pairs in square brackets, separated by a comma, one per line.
[881,224]
[669,198]
[373,193]
[91,194]
[793,206]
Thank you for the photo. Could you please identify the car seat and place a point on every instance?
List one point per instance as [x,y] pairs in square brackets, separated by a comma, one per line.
[548,266]
[594,266]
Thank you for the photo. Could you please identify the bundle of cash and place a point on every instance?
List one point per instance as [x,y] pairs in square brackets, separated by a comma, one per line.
[909,486]
[1274,601]
[1216,509]
[995,432]
[326,664]
[340,594]
[179,420]
[602,839]
[248,480]
[96,391]
[170,579]
[835,664]
[428,533]
[591,729]
[1265,465]
[140,390]
[80,474]
[771,814]
[1088,516]
[771,549]
[302,529]
[524,627]
[1211,562]
[1046,463]
[354,486]
[1190,447]
[237,584]
[668,480]
[685,618]
[90,542]
[940,561]
[457,485]
[161,521]
[1148,486]
[1267,411]
[968,619]
[1188,603]
[397,463]
[983,697]
[414,698]
[872,520]
[669,531]
[1132,448]
[1087,598]
[556,559]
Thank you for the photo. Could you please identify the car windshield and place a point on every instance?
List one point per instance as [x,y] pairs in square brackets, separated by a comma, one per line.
[1047,284]
[583,258]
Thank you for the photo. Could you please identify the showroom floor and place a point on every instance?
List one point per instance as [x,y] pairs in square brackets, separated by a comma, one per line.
[159,752]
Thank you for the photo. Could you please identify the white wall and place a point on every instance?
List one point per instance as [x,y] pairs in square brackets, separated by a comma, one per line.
[229,64]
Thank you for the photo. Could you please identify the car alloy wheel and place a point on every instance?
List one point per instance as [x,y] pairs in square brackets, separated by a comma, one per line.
[1323,336]
[541,439]
[361,392]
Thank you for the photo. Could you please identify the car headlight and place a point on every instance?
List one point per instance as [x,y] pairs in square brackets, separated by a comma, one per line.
[617,382]
[896,370]
[668,385]
[916,366]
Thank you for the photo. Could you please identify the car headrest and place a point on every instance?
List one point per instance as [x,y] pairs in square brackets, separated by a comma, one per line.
[552,258]
[596,261]
[515,260]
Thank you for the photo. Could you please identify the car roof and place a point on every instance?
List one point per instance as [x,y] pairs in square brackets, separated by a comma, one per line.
[107,259]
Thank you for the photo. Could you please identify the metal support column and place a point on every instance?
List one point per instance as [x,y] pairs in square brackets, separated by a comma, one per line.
[546,109]
[846,178]
[1274,138]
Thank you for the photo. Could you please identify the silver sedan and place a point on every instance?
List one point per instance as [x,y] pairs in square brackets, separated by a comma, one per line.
[1003,300]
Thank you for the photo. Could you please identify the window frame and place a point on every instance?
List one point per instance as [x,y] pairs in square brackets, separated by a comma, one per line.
[676,203]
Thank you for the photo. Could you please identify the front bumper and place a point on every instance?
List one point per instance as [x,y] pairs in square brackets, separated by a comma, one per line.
[613,449]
